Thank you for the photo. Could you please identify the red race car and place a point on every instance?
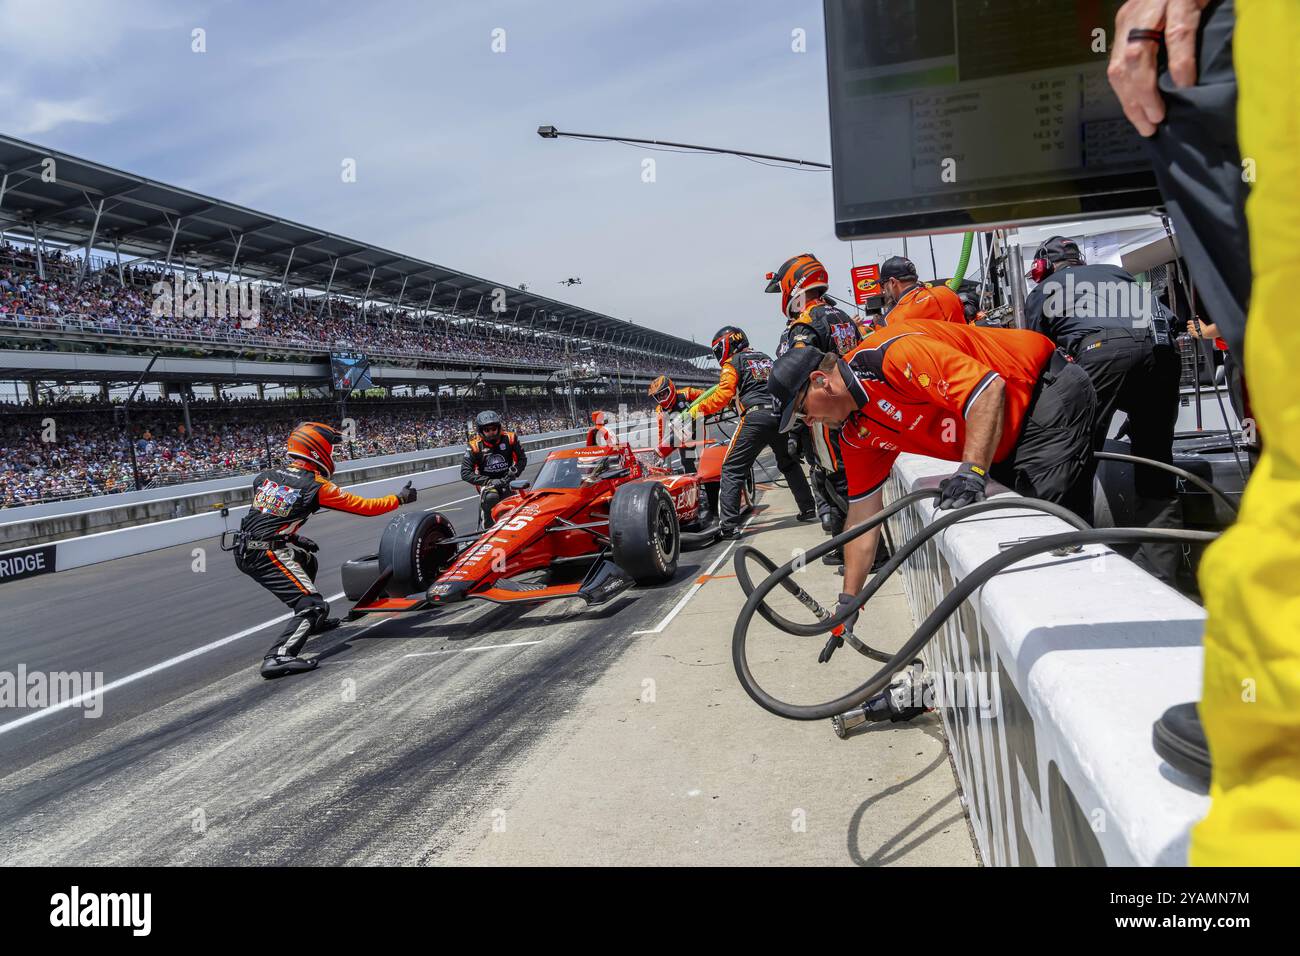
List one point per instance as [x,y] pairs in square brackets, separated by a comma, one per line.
[613,508]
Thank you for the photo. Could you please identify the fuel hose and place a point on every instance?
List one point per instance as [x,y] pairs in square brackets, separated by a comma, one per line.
[828,621]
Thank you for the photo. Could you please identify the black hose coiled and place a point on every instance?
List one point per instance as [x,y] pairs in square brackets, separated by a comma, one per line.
[930,626]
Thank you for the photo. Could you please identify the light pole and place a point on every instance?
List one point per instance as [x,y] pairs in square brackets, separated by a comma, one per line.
[550,132]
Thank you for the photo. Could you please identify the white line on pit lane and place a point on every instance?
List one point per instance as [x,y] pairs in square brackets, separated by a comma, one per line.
[465,650]
[148,671]
[446,504]
[694,588]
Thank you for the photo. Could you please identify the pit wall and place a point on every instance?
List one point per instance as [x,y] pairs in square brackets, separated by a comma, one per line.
[1049,678]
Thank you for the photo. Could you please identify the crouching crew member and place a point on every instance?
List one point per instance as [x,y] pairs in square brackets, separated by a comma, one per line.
[671,401]
[271,552]
[743,383]
[813,320]
[1117,333]
[492,458]
[1000,401]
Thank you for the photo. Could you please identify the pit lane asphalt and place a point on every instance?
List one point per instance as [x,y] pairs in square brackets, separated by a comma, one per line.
[373,757]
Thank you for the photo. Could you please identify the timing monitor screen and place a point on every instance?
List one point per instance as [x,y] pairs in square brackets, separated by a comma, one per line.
[951,114]
[350,371]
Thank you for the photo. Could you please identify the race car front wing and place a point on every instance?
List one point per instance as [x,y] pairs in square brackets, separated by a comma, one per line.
[603,582]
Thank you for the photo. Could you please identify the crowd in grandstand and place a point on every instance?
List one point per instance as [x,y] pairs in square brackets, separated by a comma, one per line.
[77,447]
[103,303]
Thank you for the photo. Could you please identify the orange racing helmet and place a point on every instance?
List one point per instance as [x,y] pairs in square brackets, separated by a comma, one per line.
[798,279]
[663,391]
[313,443]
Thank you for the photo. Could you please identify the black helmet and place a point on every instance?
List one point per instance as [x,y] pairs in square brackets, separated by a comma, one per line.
[728,341]
[486,419]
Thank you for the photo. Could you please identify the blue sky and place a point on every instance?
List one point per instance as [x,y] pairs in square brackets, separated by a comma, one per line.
[442,129]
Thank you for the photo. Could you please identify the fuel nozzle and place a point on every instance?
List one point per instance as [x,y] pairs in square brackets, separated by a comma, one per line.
[904,699]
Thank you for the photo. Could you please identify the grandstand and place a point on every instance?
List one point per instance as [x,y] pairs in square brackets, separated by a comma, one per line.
[83,248]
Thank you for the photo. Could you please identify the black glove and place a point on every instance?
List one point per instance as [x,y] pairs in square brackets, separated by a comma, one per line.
[406,494]
[794,448]
[965,486]
[842,603]
[307,544]
[834,643]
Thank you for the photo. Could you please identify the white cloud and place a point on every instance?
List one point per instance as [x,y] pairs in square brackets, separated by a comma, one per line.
[34,117]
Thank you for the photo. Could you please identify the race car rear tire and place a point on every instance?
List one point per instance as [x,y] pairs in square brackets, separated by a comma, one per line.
[416,546]
[643,532]
[358,575]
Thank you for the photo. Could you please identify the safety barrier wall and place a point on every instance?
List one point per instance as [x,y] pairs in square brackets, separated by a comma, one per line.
[1049,679]
[178,501]
[62,555]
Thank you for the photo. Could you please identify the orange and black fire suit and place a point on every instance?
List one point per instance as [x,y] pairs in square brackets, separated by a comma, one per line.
[683,397]
[489,466]
[830,329]
[270,551]
[743,383]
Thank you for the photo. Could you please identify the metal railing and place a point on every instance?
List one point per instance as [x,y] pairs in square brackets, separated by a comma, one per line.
[75,323]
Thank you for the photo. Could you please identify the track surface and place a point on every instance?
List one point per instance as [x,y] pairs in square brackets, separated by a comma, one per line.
[406,727]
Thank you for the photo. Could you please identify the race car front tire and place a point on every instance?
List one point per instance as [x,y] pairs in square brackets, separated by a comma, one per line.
[358,575]
[643,532]
[416,546]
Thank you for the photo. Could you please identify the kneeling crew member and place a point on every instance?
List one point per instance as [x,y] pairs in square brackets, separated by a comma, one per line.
[1000,401]
[272,553]
[492,458]
[1116,332]
[743,381]
[909,299]
[671,401]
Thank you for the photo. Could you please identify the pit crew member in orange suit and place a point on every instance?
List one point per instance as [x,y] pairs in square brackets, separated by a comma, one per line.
[670,401]
[1000,401]
[743,383]
[909,299]
[270,551]
[813,319]
[492,458]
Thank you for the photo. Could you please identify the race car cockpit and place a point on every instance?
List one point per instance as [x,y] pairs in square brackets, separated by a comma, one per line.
[579,470]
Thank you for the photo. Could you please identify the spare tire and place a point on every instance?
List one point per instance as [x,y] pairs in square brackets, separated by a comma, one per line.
[643,532]
[358,575]
[416,545]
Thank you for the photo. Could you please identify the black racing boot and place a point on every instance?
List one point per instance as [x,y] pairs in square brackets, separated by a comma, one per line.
[727,533]
[1179,739]
[328,625]
[834,559]
[282,665]
[808,514]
